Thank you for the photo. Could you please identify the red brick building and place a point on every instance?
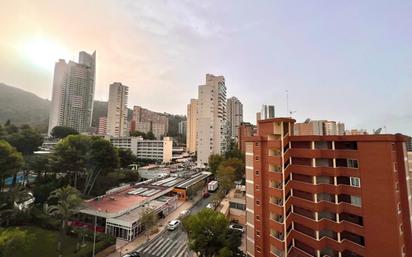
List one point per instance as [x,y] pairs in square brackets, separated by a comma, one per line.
[326,195]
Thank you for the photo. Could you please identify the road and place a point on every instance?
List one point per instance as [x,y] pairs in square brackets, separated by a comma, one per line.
[171,243]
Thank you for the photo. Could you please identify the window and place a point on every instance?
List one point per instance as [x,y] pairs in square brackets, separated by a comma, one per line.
[257,158]
[355,200]
[257,188]
[257,232]
[355,182]
[401,228]
[397,186]
[257,173]
[399,208]
[257,202]
[257,144]
[258,249]
[352,163]
[257,217]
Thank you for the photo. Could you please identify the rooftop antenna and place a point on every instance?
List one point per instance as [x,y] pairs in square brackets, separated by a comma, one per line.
[378,131]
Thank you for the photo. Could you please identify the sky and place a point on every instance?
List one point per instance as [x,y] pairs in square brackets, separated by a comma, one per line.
[349,61]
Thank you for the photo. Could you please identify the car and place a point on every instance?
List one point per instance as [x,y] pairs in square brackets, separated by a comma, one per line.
[173,224]
[132,254]
[210,206]
[237,227]
[206,194]
[185,212]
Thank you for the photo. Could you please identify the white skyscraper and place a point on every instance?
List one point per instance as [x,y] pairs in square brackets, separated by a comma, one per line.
[268,112]
[73,93]
[234,116]
[191,131]
[211,117]
[117,110]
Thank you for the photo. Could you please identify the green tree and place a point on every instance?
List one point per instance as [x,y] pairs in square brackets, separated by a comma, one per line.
[71,155]
[233,151]
[226,177]
[137,134]
[10,162]
[207,232]
[214,161]
[148,220]
[102,158]
[126,157]
[15,239]
[68,202]
[237,164]
[62,132]
[150,136]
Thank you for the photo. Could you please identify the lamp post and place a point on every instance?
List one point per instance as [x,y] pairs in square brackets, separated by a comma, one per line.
[94,234]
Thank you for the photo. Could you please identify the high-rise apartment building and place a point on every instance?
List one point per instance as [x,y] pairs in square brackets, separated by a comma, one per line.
[73,93]
[191,131]
[117,110]
[182,127]
[246,130]
[267,112]
[211,117]
[144,120]
[234,116]
[102,128]
[319,127]
[339,196]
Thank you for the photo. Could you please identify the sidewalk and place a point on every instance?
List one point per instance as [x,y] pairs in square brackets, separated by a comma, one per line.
[130,246]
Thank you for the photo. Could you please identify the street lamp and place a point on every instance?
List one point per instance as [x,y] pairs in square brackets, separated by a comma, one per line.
[94,234]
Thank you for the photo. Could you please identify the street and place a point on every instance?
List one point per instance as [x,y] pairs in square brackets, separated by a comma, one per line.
[171,243]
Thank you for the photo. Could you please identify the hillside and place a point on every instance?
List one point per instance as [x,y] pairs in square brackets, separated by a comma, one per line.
[22,107]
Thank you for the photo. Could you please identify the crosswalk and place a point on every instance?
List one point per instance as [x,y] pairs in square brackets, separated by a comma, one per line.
[166,246]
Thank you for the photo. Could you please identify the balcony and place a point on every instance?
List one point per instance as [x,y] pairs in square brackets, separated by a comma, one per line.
[274,152]
[325,180]
[278,235]
[323,145]
[304,212]
[346,145]
[328,233]
[302,178]
[326,197]
[347,163]
[303,195]
[346,235]
[305,230]
[276,184]
[352,218]
[277,201]
[275,168]
[327,215]
[301,144]
[277,217]
[327,251]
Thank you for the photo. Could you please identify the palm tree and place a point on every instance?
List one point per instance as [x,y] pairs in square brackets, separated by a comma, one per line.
[68,202]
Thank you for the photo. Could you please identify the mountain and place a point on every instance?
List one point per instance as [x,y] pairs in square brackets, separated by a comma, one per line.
[22,107]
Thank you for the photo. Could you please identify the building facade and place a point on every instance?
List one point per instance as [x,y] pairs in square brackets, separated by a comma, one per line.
[144,120]
[234,116]
[182,127]
[319,128]
[246,130]
[211,118]
[73,93]
[267,112]
[191,131]
[117,110]
[336,196]
[159,150]
[102,128]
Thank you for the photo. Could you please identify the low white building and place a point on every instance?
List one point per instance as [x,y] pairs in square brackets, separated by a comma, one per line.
[160,150]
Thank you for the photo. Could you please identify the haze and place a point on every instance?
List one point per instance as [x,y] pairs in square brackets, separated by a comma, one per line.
[347,61]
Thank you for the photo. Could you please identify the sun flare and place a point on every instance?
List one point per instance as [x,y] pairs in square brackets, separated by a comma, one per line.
[44,53]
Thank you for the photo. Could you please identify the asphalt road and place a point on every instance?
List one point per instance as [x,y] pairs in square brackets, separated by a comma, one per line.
[171,243]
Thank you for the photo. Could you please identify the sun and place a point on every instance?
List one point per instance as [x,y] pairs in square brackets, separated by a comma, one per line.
[44,53]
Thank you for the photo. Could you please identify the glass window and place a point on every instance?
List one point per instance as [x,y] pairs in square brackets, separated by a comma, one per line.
[355,200]
[355,182]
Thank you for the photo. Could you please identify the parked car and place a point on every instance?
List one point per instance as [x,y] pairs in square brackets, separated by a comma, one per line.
[236,227]
[173,224]
[210,206]
[184,213]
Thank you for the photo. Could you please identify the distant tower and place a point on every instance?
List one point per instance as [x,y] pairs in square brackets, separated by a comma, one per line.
[117,110]
[268,112]
[212,120]
[234,116]
[191,131]
[73,93]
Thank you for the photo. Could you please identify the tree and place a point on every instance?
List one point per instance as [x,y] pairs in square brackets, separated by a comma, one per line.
[137,134]
[25,139]
[10,162]
[214,161]
[150,136]
[68,203]
[226,177]
[233,151]
[148,220]
[71,155]
[62,132]
[102,157]
[207,232]
[14,239]
[126,157]
[237,164]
